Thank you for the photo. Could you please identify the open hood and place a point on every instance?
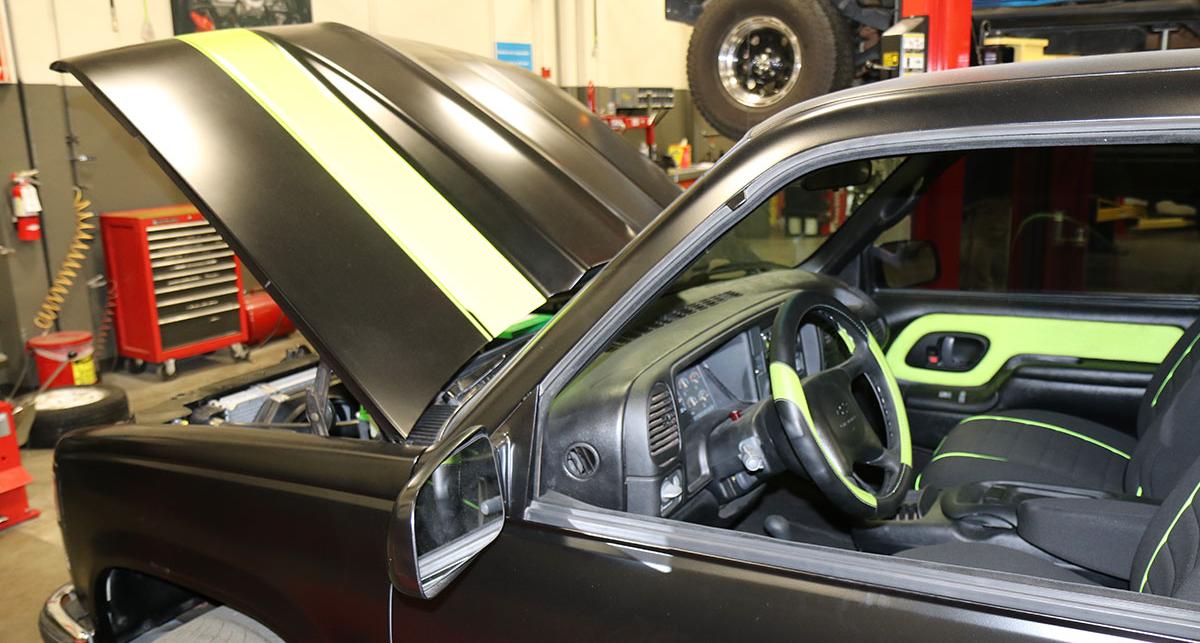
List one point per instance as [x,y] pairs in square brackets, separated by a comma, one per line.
[404,203]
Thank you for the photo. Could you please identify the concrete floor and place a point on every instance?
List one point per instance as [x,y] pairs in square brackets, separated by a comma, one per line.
[32,561]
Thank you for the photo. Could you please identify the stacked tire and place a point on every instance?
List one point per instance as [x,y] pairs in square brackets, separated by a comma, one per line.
[66,409]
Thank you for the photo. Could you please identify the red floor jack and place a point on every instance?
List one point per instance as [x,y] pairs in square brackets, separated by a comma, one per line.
[14,503]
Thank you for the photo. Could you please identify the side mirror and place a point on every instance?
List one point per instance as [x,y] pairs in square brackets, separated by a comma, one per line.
[905,264]
[450,511]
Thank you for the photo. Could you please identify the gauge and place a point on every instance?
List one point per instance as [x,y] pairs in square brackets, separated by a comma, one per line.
[692,391]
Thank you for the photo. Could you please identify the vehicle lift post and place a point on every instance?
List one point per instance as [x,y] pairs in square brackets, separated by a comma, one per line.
[939,215]
[14,503]
[948,31]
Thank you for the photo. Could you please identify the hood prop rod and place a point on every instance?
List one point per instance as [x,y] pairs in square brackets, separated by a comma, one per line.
[316,400]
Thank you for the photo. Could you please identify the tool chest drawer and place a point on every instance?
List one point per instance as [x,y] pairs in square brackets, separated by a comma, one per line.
[206,278]
[178,284]
[188,329]
[192,302]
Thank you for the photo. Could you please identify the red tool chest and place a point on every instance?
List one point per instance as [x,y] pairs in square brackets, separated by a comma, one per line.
[178,285]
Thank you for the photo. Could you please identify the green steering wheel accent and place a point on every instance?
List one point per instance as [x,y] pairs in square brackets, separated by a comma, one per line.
[785,386]
[894,391]
[1010,337]
[847,339]
[1167,534]
[1048,427]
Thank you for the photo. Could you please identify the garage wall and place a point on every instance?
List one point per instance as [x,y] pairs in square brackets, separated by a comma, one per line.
[621,43]
[117,175]
[608,42]
[46,30]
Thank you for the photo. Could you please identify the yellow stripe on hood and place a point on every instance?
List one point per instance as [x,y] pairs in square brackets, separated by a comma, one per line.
[472,273]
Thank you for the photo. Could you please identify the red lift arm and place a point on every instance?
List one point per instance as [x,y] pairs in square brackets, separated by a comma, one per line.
[939,215]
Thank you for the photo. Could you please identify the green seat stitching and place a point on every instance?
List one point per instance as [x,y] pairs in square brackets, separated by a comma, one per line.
[958,454]
[1050,427]
[1163,541]
[1171,373]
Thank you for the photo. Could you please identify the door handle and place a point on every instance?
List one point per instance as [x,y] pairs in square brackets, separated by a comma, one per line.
[956,352]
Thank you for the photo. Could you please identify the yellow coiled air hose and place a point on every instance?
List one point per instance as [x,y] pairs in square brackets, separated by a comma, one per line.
[71,264]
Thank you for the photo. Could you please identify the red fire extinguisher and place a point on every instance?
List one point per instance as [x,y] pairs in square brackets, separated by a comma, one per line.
[26,205]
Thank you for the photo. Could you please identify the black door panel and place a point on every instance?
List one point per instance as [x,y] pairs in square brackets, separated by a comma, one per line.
[1107,391]
[568,588]
[1076,392]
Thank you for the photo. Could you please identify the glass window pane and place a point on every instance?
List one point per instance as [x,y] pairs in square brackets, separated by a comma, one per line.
[1064,219]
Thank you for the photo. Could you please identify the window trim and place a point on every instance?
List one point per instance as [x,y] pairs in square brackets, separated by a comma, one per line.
[940,582]
[1182,302]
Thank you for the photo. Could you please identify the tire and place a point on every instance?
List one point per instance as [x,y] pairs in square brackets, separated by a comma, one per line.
[62,410]
[825,55]
[844,38]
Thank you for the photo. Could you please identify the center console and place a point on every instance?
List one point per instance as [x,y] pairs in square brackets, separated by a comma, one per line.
[1043,520]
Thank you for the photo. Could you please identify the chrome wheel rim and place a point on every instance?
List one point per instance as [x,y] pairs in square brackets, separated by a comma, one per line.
[759,61]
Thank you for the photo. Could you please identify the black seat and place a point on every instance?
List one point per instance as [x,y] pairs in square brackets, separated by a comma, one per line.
[1054,448]
[1164,563]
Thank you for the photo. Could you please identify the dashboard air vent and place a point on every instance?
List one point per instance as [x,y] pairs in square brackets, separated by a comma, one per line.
[673,315]
[663,424]
[581,461]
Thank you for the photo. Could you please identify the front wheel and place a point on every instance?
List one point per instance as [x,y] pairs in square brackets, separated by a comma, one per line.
[748,59]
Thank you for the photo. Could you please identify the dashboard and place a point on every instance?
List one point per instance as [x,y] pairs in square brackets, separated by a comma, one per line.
[631,431]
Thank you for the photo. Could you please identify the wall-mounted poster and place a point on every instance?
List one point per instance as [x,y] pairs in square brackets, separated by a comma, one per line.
[517,53]
[191,16]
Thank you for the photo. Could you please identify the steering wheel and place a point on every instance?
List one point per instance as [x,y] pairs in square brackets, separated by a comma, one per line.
[821,416]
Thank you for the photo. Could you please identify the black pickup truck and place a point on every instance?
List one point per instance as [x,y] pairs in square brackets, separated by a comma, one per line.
[604,409]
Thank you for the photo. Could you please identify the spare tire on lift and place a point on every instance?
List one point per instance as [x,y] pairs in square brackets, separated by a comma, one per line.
[748,59]
[62,410]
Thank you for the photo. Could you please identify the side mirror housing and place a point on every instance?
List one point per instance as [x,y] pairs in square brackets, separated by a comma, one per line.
[905,264]
[451,509]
